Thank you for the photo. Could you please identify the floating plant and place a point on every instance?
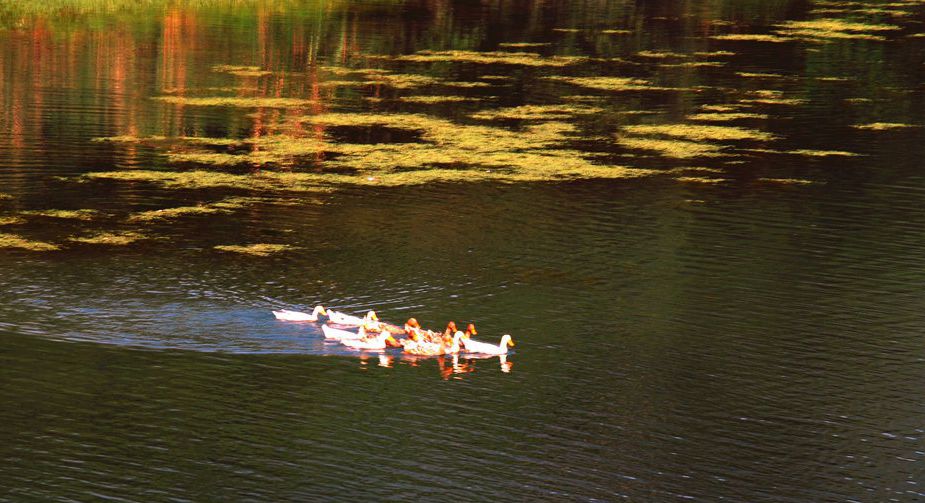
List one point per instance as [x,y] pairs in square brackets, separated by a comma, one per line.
[257,250]
[109,238]
[14,241]
[700,132]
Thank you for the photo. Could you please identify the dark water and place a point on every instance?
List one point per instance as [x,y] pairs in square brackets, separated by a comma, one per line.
[747,340]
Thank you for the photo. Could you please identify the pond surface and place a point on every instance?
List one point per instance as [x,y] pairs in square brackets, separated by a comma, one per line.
[702,224]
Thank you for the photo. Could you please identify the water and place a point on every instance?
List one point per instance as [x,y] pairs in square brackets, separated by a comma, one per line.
[745,339]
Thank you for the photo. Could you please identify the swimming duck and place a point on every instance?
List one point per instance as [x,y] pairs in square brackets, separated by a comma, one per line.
[427,348]
[287,315]
[370,343]
[341,335]
[338,318]
[489,349]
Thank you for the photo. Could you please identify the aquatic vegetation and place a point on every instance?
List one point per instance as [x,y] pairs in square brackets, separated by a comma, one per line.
[214,159]
[523,44]
[697,132]
[804,152]
[693,64]
[725,116]
[438,99]
[264,181]
[341,70]
[63,214]
[404,81]
[786,181]
[110,238]
[752,37]
[495,77]
[4,197]
[773,101]
[536,112]
[661,55]
[14,241]
[11,221]
[713,54]
[465,85]
[490,58]
[693,170]
[721,108]
[196,140]
[701,179]
[759,75]
[223,206]
[169,213]
[235,101]
[834,29]
[822,153]
[616,32]
[679,149]
[241,71]
[883,126]
[770,97]
[612,83]
[566,30]
[257,250]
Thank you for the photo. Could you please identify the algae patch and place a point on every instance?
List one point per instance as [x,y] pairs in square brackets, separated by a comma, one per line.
[257,250]
[536,112]
[519,45]
[109,238]
[19,242]
[428,100]
[492,58]
[752,37]
[883,126]
[12,221]
[697,132]
[671,148]
[63,214]
[835,29]
[723,117]
[612,83]
[239,102]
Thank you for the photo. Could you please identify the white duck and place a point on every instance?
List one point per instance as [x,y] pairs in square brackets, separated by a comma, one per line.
[338,318]
[287,315]
[376,343]
[342,335]
[489,349]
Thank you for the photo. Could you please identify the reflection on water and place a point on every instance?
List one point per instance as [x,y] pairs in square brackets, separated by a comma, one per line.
[450,366]
[701,222]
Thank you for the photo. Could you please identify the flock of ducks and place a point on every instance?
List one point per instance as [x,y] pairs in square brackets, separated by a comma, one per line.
[374,335]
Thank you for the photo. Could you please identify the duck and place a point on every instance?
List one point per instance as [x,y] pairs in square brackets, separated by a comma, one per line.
[341,335]
[287,315]
[370,343]
[338,318]
[427,348]
[489,349]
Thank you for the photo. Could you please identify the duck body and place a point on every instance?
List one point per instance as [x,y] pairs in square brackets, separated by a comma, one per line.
[338,318]
[422,348]
[376,343]
[341,335]
[485,348]
[287,315]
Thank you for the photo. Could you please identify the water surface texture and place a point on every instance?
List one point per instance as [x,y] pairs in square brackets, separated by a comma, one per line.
[702,223]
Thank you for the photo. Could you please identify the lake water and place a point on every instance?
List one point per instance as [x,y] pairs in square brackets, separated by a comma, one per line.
[706,236]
